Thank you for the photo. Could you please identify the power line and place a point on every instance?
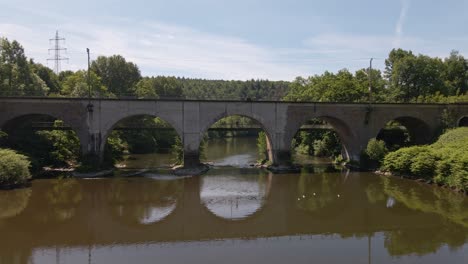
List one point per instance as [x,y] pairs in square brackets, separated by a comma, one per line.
[57,49]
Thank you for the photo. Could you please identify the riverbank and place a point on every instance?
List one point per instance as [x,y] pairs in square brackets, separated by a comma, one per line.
[420,180]
[444,163]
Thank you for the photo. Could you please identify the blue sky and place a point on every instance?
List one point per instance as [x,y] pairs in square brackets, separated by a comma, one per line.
[242,39]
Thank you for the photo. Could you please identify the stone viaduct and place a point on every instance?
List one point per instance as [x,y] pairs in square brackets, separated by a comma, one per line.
[355,123]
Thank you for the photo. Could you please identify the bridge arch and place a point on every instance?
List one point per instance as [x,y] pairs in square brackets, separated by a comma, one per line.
[256,119]
[350,149]
[21,127]
[463,121]
[128,119]
[76,125]
[418,130]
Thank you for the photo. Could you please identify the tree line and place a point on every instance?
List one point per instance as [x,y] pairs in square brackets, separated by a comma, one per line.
[115,77]
[407,77]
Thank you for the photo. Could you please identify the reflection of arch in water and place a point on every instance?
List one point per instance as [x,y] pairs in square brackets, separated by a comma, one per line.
[145,201]
[157,213]
[235,197]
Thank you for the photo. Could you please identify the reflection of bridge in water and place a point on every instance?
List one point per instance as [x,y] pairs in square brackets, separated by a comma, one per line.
[106,212]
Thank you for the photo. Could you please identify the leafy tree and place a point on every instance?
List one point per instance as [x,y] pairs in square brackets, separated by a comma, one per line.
[456,74]
[378,85]
[330,87]
[16,77]
[117,75]
[162,87]
[76,85]
[394,56]
[145,89]
[416,76]
[48,76]
[328,146]
[63,75]
[420,78]
[233,90]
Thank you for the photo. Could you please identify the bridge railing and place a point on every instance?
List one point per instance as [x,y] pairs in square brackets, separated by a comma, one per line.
[36,94]
[273,99]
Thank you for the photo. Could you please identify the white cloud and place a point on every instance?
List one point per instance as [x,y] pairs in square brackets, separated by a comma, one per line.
[166,49]
[357,46]
[401,20]
[352,51]
[159,49]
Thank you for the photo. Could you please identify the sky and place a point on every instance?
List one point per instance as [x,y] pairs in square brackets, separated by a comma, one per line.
[237,39]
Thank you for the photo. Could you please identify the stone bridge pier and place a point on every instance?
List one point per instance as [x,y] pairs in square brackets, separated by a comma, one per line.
[355,123]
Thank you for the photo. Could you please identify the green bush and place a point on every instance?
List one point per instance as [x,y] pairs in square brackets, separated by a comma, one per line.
[376,150]
[452,137]
[14,168]
[262,146]
[459,177]
[400,161]
[64,145]
[423,164]
[3,134]
[178,151]
[3,137]
[445,161]
[452,168]
[115,149]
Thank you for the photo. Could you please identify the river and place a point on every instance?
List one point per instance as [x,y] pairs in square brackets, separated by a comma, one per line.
[233,214]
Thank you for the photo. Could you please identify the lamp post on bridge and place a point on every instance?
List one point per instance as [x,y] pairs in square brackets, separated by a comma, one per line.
[369,107]
[89,106]
[370,80]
